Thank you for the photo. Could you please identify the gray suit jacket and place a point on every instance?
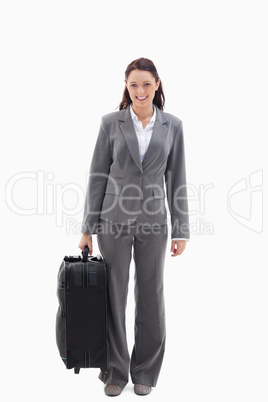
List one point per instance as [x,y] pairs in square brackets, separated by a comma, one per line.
[122,189]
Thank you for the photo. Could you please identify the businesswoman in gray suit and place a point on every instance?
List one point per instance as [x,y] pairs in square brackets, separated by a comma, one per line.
[139,152]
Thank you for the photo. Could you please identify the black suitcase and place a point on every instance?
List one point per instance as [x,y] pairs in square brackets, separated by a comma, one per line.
[81,322]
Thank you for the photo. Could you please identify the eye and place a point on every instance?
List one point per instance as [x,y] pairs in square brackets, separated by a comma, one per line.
[147,84]
[132,85]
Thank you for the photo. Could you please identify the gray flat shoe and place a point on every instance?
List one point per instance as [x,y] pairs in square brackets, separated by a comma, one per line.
[112,390]
[141,389]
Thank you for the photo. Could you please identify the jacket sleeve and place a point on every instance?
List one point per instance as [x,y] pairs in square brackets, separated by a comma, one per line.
[175,181]
[98,175]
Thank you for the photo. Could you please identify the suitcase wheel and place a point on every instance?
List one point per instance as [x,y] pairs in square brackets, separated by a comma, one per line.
[76,370]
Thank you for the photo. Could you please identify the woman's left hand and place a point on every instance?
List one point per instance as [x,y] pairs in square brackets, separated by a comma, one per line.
[177,247]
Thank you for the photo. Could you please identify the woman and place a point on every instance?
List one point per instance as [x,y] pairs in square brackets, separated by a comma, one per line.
[138,149]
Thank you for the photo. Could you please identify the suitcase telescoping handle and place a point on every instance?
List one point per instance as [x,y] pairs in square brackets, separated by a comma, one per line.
[85,254]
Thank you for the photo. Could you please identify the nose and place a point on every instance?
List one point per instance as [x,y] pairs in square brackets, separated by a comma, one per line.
[140,91]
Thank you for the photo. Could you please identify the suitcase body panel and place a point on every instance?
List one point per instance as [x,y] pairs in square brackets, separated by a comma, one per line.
[81,321]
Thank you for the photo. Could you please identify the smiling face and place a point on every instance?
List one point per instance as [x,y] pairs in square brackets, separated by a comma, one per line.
[141,86]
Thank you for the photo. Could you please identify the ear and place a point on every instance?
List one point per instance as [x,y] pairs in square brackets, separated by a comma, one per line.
[158,83]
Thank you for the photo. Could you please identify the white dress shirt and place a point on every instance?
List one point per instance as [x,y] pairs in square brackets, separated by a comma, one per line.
[144,136]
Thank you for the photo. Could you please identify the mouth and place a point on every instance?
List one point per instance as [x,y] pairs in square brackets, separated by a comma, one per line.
[141,98]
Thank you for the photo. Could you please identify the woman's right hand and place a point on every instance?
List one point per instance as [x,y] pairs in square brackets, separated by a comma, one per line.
[86,240]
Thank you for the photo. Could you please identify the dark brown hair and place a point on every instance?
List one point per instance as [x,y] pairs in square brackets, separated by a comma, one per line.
[145,65]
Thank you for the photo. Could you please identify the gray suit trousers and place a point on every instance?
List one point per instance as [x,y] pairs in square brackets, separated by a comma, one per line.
[115,243]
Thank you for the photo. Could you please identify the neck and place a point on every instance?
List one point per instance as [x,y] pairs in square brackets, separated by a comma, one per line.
[143,112]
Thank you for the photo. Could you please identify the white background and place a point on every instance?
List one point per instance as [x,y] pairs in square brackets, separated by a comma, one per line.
[62,68]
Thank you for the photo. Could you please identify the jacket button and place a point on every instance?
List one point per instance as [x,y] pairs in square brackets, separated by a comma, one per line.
[140,173]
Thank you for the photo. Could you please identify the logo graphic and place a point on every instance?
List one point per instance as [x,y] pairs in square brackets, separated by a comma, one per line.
[245,201]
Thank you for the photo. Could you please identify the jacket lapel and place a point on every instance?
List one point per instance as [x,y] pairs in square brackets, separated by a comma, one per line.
[155,144]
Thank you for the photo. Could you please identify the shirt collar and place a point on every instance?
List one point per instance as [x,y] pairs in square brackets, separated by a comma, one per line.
[135,117]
